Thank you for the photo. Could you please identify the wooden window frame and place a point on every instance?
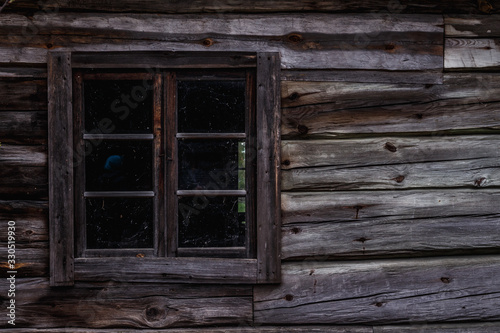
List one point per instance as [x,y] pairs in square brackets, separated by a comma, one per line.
[65,269]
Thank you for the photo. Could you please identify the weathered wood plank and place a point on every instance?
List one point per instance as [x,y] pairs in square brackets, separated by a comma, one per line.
[389,42]
[364,76]
[389,224]
[468,26]
[60,157]
[23,182]
[326,109]
[259,6]
[20,155]
[381,292]
[22,94]
[23,72]
[32,259]
[239,329]
[387,205]
[101,305]
[391,163]
[192,270]
[32,227]
[349,153]
[418,327]
[25,127]
[461,53]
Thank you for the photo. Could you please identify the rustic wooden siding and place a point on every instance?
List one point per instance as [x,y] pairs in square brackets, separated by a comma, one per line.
[389,165]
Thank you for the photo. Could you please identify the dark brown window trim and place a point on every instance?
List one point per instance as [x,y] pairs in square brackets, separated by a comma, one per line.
[65,270]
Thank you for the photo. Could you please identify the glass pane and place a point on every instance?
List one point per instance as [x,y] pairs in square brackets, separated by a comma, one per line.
[211,221]
[211,106]
[118,165]
[211,164]
[117,223]
[118,106]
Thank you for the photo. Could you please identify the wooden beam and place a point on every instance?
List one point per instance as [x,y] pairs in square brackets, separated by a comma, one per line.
[60,158]
[472,26]
[382,292]
[23,127]
[472,54]
[389,223]
[339,109]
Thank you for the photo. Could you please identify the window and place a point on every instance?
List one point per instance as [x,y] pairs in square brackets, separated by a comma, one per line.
[164,167]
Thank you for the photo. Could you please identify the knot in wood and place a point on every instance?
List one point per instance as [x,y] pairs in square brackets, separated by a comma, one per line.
[479,182]
[153,314]
[399,179]
[302,129]
[295,38]
[295,95]
[289,297]
[286,162]
[296,230]
[445,280]
[390,47]
[390,147]
[207,42]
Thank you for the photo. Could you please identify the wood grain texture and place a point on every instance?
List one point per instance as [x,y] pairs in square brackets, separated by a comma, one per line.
[472,54]
[32,260]
[336,109]
[471,26]
[23,127]
[119,305]
[23,182]
[381,292]
[389,224]
[389,42]
[22,94]
[258,6]
[391,163]
[60,144]
[23,155]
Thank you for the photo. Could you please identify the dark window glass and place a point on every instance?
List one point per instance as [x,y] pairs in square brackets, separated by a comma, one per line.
[215,164]
[118,106]
[211,106]
[211,221]
[118,165]
[116,223]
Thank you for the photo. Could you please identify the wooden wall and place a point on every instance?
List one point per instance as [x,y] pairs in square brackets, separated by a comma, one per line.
[390,177]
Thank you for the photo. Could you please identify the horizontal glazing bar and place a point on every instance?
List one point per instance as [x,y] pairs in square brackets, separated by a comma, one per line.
[212,193]
[211,136]
[119,194]
[118,136]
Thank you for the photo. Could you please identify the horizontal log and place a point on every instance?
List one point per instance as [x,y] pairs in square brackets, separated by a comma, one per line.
[469,26]
[333,207]
[128,306]
[474,54]
[389,224]
[32,259]
[389,42]
[364,76]
[23,156]
[29,227]
[192,270]
[486,327]
[391,163]
[258,6]
[23,72]
[23,127]
[22,94]
[326,109]
[382,292]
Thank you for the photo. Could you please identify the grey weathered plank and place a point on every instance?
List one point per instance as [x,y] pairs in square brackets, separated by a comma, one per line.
[101,305]
[60,158]
[30,227]
[389,224]
[23,72]
[268,215]
[25,127]
[21,155]
[483,327]
[479,54]
[349,153]
[381,292]
[326,109]
[364,76]
[32,260]
[191,270]
[391,163]
[389,42]
[22,94]
[23,182]
[345,206]
[470,26]
[260,6]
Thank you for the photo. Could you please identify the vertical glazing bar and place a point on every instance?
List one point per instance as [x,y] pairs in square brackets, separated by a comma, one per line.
[251,164]
[170,95]
[158,167]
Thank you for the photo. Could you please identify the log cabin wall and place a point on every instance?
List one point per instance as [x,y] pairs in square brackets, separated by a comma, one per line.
[390,164]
